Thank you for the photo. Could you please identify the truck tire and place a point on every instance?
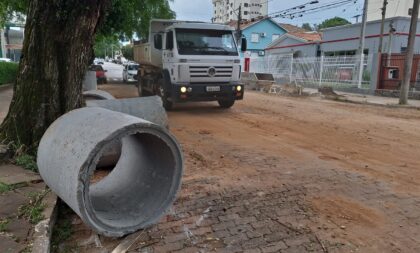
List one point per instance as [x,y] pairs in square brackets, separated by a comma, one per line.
[163,93]
[226,103]
[140,88]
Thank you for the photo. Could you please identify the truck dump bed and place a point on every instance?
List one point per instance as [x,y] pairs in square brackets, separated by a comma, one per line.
[142,53]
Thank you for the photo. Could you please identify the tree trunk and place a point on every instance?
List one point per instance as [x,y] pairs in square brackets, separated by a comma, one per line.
[57,48]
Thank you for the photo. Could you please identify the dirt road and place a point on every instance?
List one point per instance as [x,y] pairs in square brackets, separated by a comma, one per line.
[293,175]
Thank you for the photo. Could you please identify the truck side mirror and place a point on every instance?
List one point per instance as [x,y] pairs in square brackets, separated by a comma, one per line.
[243,44]
[158,41]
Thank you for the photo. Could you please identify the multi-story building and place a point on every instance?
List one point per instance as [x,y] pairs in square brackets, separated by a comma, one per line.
[227,10]
[395,8]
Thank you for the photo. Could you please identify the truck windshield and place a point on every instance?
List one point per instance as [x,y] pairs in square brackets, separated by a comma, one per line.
[133,67]
[205,42]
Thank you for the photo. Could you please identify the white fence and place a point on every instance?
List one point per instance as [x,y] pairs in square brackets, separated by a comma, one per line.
[336,71]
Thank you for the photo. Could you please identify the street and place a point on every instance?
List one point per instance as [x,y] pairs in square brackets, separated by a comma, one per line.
[289,174]
[114,72]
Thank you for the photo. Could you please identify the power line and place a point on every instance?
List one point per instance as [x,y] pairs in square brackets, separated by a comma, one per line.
[294,8]
[285,14]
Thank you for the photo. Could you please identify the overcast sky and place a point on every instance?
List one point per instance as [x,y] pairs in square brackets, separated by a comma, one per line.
[202,10]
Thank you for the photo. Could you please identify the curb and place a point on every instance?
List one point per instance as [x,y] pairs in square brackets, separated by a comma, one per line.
[43,230]
[6,86]
[346,100]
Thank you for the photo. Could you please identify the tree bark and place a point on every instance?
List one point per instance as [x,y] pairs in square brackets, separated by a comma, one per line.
[57,48]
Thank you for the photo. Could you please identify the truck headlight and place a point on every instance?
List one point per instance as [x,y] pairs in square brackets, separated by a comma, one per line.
[183,89]
[238,88]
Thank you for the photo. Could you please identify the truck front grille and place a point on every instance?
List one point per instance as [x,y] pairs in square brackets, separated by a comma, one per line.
[203,71]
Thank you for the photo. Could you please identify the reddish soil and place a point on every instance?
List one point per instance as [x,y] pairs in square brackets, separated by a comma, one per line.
[353,169]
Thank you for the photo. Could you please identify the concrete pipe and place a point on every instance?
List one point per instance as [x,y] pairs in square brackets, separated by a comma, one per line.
[140,188]
[90,82]
[148,108]
[97,95]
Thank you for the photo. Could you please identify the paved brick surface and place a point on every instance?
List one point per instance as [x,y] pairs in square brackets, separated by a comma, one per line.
[234,220]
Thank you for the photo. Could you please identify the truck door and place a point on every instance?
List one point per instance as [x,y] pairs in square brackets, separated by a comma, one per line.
[168,54]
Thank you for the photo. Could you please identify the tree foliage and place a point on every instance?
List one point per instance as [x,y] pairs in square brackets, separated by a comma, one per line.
[307,26]
[10,8]
[333,22]
[105,45]
[123,18]
[132,17]
[127,52]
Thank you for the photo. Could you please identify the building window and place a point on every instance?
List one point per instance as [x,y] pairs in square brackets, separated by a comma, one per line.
[245,12]
[255,37]
[275,36]
[245,4]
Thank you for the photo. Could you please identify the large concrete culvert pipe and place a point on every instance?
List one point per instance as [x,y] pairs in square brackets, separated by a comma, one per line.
[148,108]
[97,95]
[140,188]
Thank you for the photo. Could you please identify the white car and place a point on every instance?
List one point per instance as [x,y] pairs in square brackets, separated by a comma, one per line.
[5,60]
[130,72]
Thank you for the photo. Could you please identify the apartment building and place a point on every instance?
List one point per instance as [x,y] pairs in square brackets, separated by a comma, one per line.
[395,8]
[227,10]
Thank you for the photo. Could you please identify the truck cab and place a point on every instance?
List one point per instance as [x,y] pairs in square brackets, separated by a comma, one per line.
[197,62]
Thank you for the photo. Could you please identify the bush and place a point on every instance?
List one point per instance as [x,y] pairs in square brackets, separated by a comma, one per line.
[8,72]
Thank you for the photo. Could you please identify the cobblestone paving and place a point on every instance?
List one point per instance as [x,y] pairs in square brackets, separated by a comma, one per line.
[236,220]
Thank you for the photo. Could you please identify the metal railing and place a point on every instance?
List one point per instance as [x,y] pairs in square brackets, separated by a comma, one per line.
[335,71]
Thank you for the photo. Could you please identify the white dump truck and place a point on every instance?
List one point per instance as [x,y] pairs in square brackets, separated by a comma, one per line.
[190,61]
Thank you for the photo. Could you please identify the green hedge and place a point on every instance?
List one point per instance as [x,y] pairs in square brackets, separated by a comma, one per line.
[8,72]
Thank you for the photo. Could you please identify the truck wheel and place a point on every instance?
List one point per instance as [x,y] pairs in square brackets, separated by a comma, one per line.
[140,88]
[164,95]
[226,103]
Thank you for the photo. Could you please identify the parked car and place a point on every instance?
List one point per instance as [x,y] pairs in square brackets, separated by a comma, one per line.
[98,61]
[130,72]
[100,73]
[5,60]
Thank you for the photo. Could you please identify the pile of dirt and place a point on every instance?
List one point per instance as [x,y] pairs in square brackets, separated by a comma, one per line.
[329,93]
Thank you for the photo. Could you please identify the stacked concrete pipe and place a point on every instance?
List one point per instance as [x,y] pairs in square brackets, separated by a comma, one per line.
[138,190]
[90,82]
[148,108]
[97,95]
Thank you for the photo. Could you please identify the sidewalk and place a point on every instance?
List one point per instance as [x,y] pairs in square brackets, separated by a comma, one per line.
[27,206]
[369,99]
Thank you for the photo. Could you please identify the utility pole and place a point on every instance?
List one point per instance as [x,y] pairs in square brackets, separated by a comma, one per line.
[362,44]
[382,25]
[357,18]
[238,28]
[408,64]
[391,36]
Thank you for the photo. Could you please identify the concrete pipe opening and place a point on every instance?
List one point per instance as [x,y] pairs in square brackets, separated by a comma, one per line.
[145,176]
[141,185]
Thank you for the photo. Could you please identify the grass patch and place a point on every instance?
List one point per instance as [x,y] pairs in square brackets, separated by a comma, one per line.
[27,162]
[3,225]
[8,72]
[10,187]
[33,210]
[5,187]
